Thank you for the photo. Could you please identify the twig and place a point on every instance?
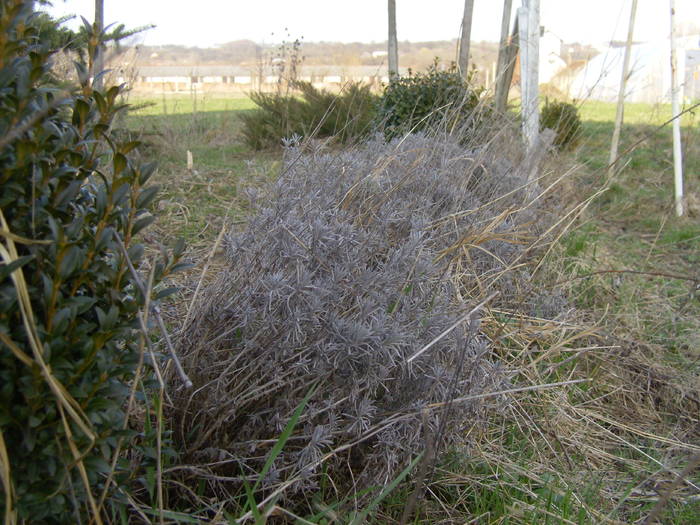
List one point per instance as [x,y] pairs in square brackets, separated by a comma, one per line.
[425,464]
[446,332]
[680,478]
[637,272]
[509,391]
[648,136]
[156,312]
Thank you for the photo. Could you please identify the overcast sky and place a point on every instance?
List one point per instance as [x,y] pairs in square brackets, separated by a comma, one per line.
[207,23]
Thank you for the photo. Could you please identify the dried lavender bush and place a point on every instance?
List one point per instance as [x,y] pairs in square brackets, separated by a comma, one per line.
[353,261]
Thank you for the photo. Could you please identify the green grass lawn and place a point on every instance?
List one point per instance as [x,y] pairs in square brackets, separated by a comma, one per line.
[183,104]
[634,113]
[194,202]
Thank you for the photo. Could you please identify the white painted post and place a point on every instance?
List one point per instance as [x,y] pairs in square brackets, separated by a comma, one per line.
[533,83]
[675,94]
[529,24]
[621,94]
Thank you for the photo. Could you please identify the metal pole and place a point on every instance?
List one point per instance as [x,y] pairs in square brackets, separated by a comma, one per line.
[621,95]
[675,94]
[393,42]
[465,38]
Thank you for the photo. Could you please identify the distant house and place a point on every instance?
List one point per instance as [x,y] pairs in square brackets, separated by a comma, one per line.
[650,72]
[551,62]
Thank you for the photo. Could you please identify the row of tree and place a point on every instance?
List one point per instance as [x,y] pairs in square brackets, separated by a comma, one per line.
[525,37]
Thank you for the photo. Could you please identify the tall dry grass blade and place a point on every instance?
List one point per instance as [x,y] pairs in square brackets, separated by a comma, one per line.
[461,320]
[78,457]
[666,497]
[9,254]
[65,402]
[143,339]
[510,391]
[6,478]
[156,313]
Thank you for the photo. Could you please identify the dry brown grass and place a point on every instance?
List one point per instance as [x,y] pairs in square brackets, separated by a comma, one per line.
[602,451]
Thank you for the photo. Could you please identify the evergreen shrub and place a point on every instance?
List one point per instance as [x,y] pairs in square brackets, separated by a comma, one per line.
[420,101]
[309,112]
[564,119]
[72,197]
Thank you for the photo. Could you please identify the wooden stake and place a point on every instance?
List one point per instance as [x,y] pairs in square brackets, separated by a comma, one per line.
[675,103]
[503,59]
[621,95]
[98,66]
[510,59]
[393,42]
[465,38]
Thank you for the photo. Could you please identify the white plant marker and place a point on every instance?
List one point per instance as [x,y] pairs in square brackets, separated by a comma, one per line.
[675,94]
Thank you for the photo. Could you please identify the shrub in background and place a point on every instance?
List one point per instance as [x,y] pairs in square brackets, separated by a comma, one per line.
[420,101]
[564,119]
[69,188]
[309,112]
[348,267]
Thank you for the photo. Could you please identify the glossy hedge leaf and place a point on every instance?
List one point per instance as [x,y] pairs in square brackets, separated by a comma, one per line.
[146,196]
[80,112]
[7,269]
[129,147]
[162,294]
[120,162]
[146,171]
[180,267]
[142,222]
[69,261]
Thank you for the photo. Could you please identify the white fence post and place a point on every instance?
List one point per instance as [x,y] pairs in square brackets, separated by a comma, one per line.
[529,26]
[675,94]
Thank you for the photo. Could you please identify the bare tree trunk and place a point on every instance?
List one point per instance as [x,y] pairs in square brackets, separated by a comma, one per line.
[465,38]
[621,94]
[393,42]
[98,65]
[503,59]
